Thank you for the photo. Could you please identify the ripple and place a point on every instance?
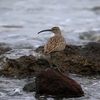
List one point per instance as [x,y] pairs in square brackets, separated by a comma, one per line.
[11,26]
[96,9]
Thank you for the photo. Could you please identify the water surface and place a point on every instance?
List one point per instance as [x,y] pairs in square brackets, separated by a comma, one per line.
[20,21]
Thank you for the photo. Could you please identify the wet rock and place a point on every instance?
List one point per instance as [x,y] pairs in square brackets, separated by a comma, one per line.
[83,60]
[51,81]
[30,87]
[4,48]
[25,66]
[95,38]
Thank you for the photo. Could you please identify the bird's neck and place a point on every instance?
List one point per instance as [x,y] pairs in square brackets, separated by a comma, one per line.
[58,34]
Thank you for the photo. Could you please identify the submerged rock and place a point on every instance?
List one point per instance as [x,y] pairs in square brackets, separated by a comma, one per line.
[83,59]
[30,87]
[4,48]
[51,81]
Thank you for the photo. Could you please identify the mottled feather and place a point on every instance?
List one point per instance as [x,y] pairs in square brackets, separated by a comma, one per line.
[55,43]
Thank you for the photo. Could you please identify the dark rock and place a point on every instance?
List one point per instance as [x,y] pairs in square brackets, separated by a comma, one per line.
[4,48]
[30,87]
[51,81]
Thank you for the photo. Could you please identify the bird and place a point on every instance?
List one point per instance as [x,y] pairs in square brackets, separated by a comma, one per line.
[56,43]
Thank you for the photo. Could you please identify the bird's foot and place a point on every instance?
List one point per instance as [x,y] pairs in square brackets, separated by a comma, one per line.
[55,67]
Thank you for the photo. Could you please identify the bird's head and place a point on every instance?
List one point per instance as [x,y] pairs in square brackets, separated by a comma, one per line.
[55,30]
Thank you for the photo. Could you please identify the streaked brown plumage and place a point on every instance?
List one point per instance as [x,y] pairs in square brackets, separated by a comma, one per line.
[55,43]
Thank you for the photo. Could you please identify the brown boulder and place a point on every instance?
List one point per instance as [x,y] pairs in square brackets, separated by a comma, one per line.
[51,81]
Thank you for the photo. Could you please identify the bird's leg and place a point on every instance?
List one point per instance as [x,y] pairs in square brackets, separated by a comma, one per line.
[57,63]
[49,59]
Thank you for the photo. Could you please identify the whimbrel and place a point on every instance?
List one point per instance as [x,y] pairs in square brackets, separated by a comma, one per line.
[55,43]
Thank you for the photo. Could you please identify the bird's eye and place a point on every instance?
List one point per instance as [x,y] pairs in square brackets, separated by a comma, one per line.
[55,29]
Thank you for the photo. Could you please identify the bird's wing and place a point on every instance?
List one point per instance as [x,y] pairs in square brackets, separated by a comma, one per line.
[50,45]
[53,44]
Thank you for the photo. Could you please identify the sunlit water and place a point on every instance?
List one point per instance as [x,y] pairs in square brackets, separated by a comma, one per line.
[20,20]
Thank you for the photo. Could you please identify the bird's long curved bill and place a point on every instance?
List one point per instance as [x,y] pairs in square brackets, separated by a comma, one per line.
[44,31]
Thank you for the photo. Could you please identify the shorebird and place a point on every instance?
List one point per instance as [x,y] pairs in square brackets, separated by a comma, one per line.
[55,43]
